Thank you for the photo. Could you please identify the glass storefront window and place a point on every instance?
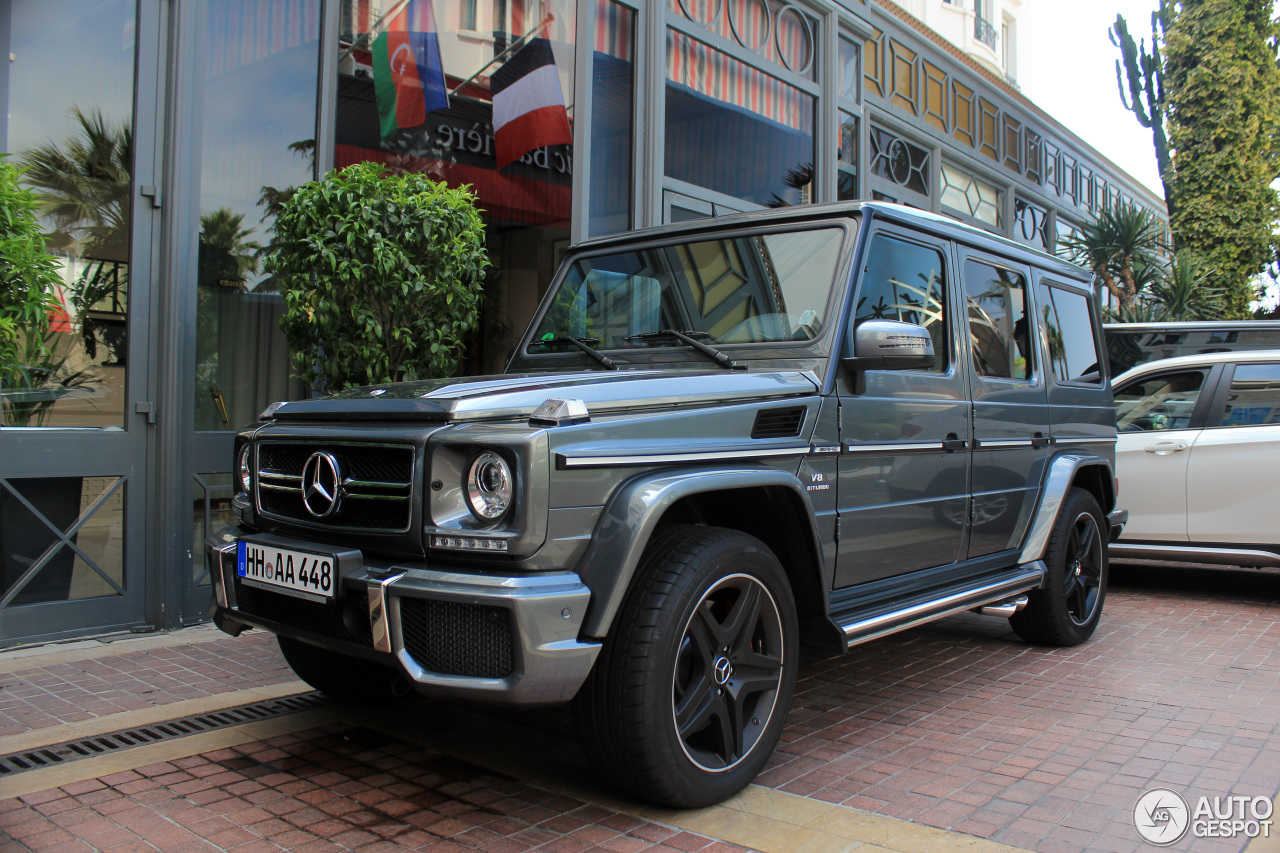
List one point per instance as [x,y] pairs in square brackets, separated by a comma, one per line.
[847,159]
[780,33]
[734,129]
[69,82]
[261,67]
[501,121]
[849,74]
[970,195]
[612,104]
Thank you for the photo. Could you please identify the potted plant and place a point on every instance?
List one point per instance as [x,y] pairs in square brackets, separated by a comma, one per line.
[381,276]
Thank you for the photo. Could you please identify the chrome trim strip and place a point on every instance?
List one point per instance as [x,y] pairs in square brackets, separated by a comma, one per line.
[218,574]
[896,447]
[1192,554]
[942,606]
[995,443]
[280,475]
[273,487]
[361,497]
[1086,439]
[378,621]
[825,448]
[373,484]
[566,461]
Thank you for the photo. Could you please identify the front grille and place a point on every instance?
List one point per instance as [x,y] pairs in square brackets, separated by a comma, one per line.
[778,423]
[311,616]
[453,638]
[377,484]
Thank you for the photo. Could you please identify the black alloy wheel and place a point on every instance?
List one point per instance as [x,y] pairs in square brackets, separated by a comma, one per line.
[1083,575]
[727,672]
[690,692]
[1066,609]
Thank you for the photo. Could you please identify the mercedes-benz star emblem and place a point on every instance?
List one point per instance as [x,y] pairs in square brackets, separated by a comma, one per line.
[322,484]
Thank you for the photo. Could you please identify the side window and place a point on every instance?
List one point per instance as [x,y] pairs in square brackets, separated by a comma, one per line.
[1159,402]
[1069,329]
[1254,398]
[904,281]
[997,306]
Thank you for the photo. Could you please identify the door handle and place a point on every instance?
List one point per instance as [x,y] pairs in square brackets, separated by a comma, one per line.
[1164,448]
[953,442]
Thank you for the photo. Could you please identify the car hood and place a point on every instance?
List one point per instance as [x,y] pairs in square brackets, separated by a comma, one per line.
[517,396]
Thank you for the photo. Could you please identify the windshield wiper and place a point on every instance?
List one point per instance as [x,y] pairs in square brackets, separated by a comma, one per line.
[582,344]
[688,338]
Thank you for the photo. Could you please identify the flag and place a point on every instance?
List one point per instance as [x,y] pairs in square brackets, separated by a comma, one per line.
[59,315]
[408,76]
[528,105]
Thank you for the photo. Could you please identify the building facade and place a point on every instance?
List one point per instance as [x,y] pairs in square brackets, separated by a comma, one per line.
[161,135]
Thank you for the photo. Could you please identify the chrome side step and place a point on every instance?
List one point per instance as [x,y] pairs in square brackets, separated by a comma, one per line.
[1179,553]
[1005,608]
[989,593]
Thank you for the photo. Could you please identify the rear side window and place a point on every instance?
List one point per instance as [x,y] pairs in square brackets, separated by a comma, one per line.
[997,303]
[1254,398]
[1068,327]
[905,281]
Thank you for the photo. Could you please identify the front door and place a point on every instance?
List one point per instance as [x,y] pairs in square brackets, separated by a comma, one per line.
[76,408]
[903,486]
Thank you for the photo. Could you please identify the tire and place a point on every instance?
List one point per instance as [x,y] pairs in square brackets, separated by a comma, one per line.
[340,676]
[687,699]
[1066,610]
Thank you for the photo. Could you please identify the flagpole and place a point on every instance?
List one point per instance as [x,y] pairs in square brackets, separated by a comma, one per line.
[515,45]
[364,37]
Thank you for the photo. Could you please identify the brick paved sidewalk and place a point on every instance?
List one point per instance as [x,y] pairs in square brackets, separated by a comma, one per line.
[956,725]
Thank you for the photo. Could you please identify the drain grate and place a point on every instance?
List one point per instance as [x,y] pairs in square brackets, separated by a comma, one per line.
[117,741]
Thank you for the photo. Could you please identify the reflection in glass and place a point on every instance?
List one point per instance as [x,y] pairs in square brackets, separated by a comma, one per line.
[261,53]
[613,82]
[900,161]
[211,514]
[771,288]
[777,32]
[1254,399]
[1073,353]
[848,69]
[61,539]
[1159,403]
[527,204]
[70,124]
[735,130]
[997,300]
[966,193]
[847,159]
[904,282]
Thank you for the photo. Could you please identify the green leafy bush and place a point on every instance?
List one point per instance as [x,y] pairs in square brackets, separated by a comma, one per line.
[381,276]
[27,278]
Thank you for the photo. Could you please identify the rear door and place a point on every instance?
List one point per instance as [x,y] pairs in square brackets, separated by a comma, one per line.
[1010,414]
[904,462]
[1233,470]
[1159,417]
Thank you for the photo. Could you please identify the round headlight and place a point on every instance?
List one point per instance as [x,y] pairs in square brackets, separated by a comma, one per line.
[242,468]
[489,486]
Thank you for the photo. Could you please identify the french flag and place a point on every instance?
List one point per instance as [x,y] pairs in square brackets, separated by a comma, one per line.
[528,105]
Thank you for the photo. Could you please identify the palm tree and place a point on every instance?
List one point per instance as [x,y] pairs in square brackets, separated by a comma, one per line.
[224,249]
[1185,292]
[1123,247]
[85,187]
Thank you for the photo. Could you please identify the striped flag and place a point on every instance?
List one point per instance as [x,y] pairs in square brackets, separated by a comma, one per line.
[528,105]
[408,76]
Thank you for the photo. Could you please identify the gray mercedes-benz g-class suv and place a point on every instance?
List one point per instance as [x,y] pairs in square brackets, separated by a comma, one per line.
[715,438]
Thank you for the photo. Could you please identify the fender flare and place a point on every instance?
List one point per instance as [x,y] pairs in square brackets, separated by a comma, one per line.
[632,514]
[1062,473]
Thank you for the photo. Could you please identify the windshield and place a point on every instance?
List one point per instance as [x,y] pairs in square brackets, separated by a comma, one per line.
[763,289]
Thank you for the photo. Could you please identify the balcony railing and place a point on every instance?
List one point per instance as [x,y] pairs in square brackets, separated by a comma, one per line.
[984,32]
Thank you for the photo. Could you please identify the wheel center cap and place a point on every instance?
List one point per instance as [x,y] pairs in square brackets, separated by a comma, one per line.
[722,669]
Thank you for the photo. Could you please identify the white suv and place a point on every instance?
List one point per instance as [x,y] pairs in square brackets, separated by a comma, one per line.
[1198,457]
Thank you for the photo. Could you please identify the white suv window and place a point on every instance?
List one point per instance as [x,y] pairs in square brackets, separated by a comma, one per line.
[1254,398]
[1159,402]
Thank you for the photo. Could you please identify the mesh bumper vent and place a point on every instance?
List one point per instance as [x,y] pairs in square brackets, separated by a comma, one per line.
[454,638]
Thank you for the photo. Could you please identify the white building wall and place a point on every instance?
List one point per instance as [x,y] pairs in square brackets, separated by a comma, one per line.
[956,21]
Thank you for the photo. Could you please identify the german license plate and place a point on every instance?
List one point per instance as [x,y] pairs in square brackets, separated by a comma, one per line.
[287,570]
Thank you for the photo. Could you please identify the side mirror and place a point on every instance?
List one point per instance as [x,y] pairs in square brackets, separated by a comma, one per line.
[890,345]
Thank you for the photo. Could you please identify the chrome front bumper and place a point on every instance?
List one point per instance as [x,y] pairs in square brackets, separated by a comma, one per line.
[546,612]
